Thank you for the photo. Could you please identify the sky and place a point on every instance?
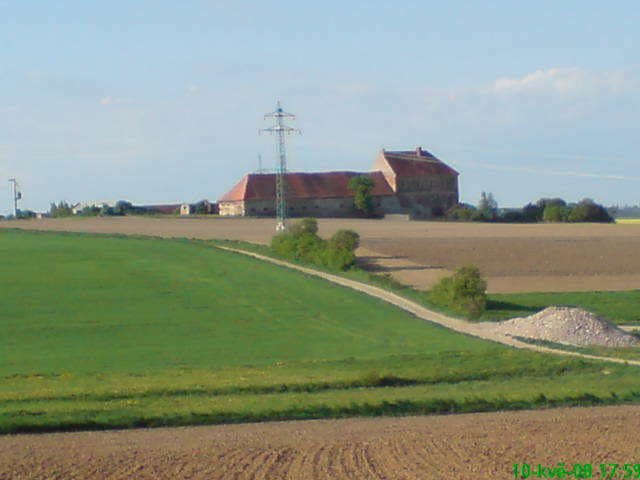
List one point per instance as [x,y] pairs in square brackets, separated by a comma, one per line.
[161,101]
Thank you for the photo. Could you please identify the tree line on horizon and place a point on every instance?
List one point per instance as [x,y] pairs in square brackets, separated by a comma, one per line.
[544,210]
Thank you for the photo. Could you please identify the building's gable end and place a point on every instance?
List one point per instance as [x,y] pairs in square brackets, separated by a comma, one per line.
[382,165]
[238,192]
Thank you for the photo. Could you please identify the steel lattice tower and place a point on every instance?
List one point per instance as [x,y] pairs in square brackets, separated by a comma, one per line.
[17,195]
[281,131]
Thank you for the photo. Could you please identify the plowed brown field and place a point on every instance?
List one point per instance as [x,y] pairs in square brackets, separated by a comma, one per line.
[470,446]
[513,258]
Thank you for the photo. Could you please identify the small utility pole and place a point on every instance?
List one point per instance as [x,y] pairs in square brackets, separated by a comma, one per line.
[281,130]
[17,195]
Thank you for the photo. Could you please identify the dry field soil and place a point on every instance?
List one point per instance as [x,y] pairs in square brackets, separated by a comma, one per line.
[471,446]
[514,258]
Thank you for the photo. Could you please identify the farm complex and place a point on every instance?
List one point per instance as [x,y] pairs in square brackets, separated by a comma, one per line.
[411,182]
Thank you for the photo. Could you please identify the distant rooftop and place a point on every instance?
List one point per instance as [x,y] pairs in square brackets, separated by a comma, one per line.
[262,186]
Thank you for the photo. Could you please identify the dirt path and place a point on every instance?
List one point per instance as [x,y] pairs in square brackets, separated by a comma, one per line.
[468,446]
[481,330]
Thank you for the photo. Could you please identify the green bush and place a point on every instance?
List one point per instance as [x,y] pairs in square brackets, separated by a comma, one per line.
[462,212]
[337,259]
[302,243]
[464,292]
[345,239]
[308,247]
[306,225]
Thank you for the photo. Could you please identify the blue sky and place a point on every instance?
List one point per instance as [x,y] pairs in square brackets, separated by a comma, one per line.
[158,101]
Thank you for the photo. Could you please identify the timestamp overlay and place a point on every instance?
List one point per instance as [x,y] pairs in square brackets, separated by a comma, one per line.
[576,470]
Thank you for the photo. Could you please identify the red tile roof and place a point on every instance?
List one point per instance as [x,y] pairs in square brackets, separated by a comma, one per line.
[261,186]
[416,163]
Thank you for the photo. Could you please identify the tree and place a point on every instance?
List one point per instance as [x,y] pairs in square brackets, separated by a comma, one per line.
[487,207]
[555,213]
[512,216]
[462,212]
[306,225]
[362,185]
[122,207]
[545,202]
[589,211]
[63,209]
[25,214]
[202,207]
[106,211]
[532,213]
[92,211]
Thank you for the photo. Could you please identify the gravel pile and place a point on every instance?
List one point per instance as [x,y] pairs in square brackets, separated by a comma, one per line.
[573,326]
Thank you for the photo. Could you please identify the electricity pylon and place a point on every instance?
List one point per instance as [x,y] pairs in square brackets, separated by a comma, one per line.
[17,195]
[281,131]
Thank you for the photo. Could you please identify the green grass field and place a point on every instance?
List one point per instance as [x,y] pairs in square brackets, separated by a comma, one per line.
[620,307]
[112,331]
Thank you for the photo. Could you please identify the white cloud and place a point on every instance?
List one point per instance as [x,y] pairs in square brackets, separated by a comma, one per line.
[112,100]
[193,89]
[567,81]
[543,99]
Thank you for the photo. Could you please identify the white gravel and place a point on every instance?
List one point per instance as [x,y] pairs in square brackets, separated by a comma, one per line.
[571,326]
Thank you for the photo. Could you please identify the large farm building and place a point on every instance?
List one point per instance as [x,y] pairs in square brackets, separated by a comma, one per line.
[410,182]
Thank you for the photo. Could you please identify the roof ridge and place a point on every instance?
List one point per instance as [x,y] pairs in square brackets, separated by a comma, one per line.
[304,185]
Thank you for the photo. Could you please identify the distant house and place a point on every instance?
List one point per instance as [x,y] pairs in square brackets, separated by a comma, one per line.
[79,207]
[410,182]
[186,209]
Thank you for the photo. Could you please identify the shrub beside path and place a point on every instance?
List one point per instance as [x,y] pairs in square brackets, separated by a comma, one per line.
[476,330]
